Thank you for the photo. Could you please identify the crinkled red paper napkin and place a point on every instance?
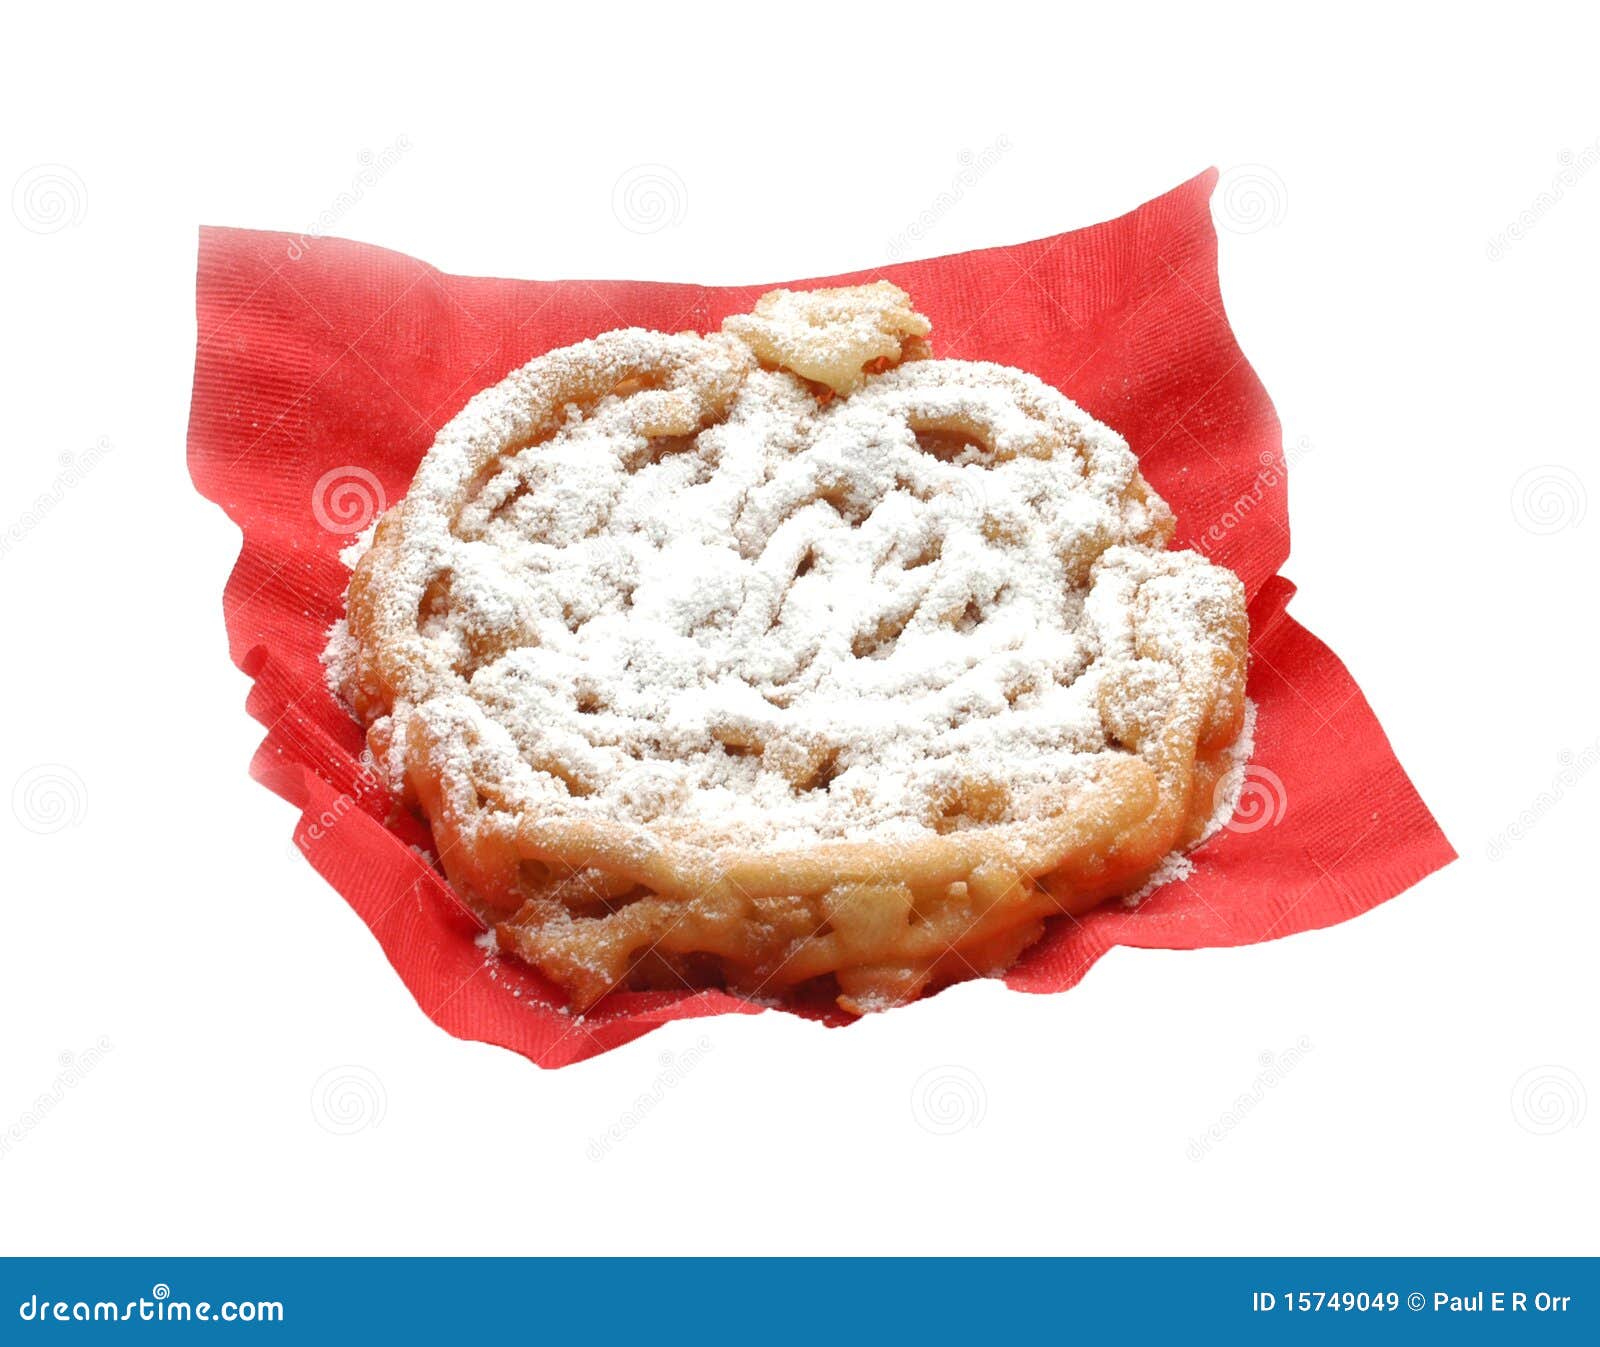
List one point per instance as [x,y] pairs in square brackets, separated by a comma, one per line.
[325,368]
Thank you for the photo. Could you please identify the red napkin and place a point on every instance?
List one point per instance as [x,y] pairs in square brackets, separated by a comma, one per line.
[324,369]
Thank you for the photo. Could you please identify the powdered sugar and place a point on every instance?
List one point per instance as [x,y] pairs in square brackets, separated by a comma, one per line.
[929,605]
[352,553]
[1177,865]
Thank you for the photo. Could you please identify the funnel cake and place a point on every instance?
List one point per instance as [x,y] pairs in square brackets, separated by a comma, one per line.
[789,658]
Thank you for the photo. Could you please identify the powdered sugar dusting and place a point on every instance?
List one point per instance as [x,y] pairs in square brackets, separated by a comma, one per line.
[931,604]
[1177,865]
[357,548]
[1230,786]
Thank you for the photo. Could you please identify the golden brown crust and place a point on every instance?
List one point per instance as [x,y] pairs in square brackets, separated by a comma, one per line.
[834,337]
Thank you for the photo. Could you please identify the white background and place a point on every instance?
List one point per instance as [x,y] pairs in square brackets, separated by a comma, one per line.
[1445,542]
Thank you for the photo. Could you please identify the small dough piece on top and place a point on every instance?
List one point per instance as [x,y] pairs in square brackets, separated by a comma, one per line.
[831,336]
